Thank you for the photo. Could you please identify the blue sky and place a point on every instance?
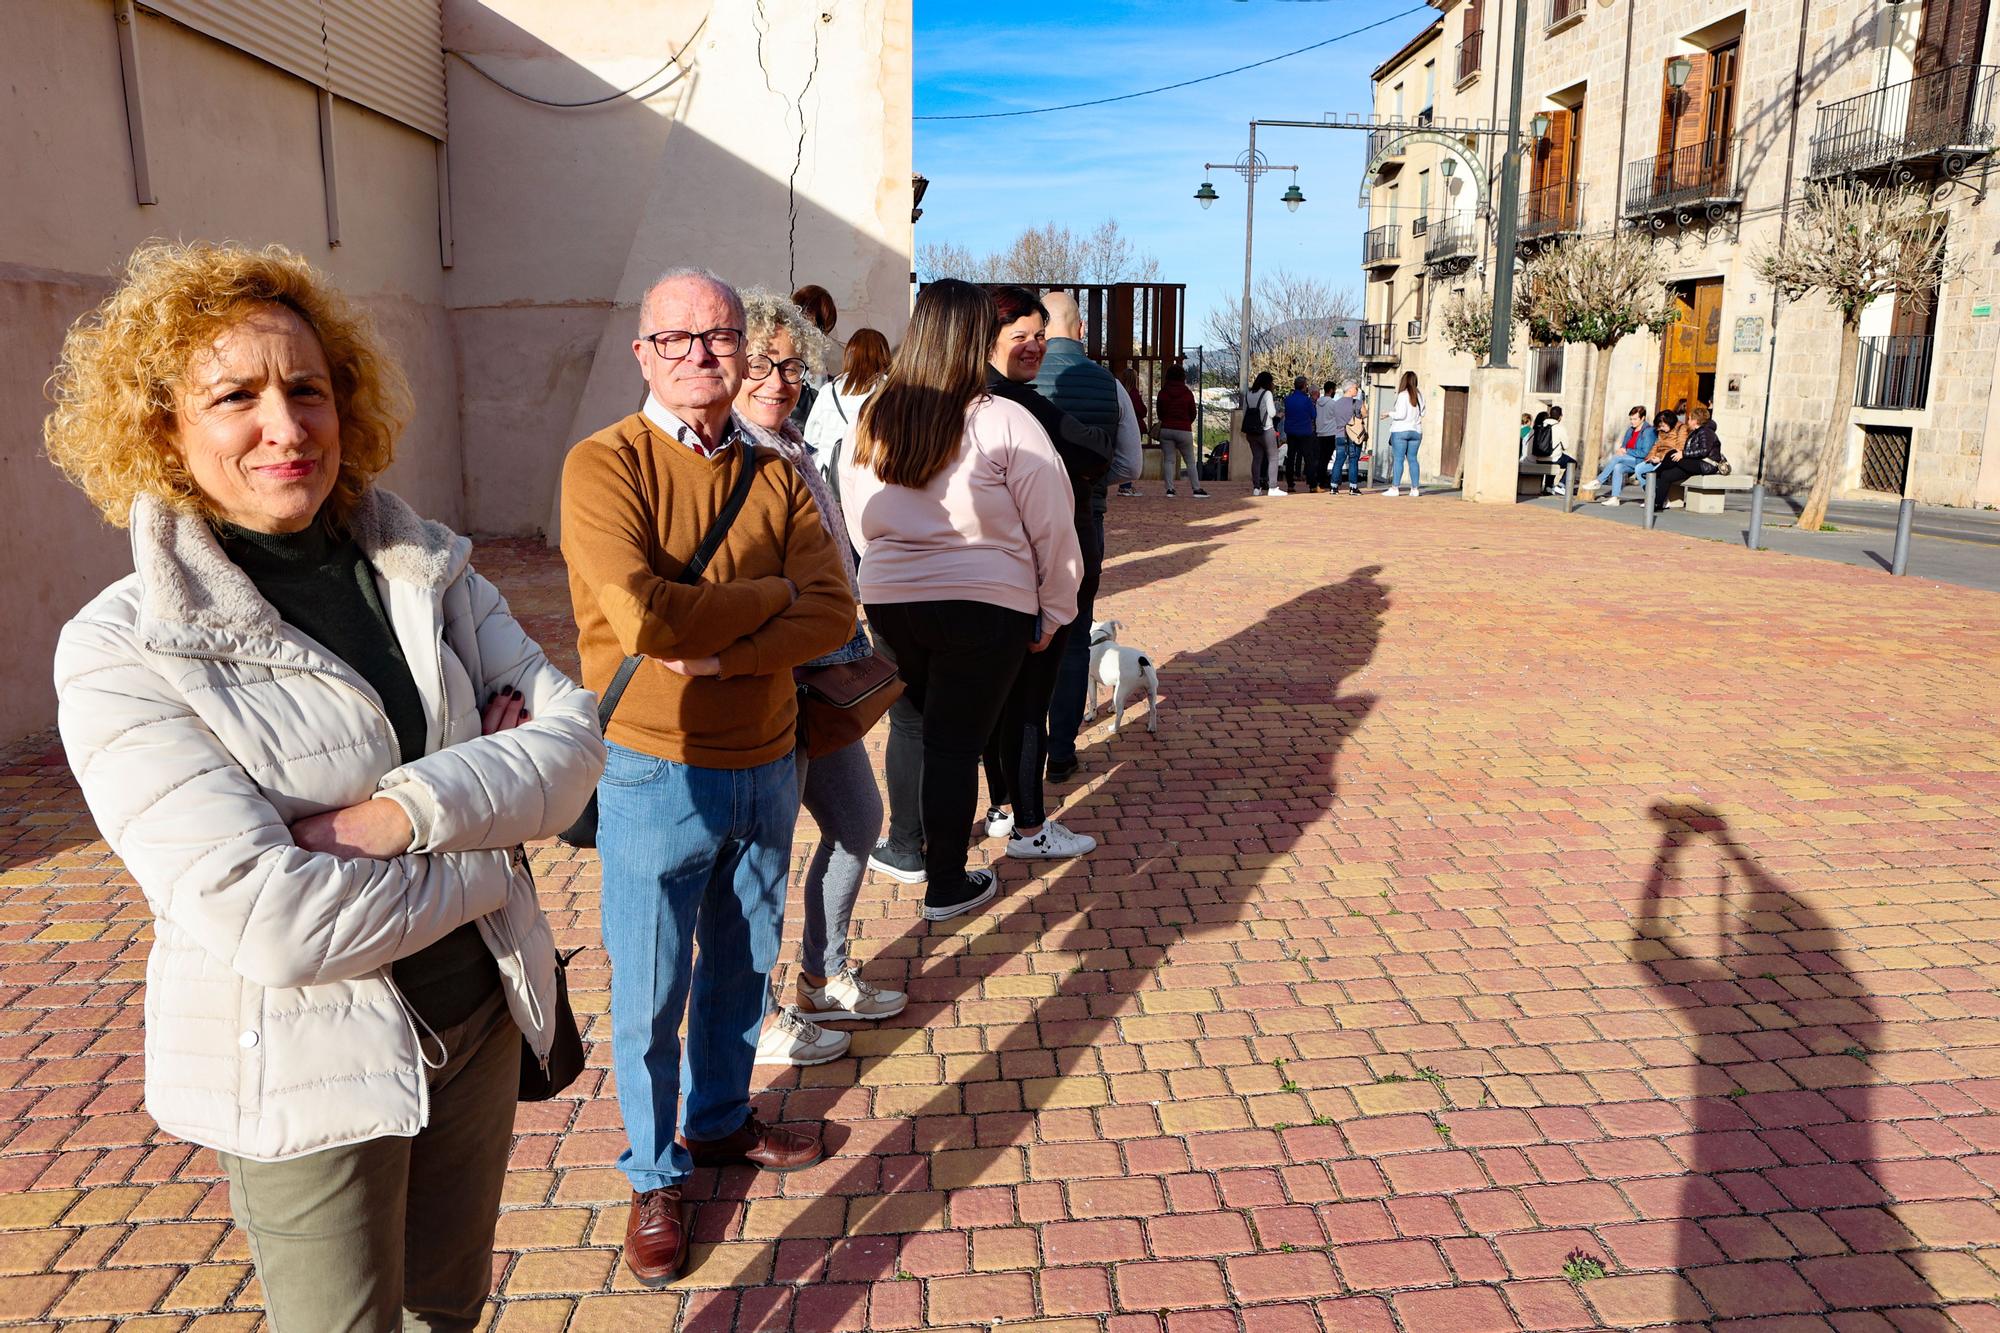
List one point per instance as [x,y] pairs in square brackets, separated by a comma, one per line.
[1140,161]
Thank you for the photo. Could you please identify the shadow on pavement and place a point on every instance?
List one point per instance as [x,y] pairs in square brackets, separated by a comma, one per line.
[1786,1118]
[1123,914]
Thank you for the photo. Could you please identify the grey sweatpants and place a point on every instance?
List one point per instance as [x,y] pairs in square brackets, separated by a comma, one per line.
[838,790]
[1177,446]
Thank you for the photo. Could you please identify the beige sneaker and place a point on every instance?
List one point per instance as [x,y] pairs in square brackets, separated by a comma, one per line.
[791,1040]
[846,995]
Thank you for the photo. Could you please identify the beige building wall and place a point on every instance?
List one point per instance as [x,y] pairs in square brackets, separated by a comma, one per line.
[221,172]
[1611,57]
[781,157]
[778,153]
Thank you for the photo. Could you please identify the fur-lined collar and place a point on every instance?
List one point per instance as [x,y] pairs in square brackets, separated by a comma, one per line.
[185,579]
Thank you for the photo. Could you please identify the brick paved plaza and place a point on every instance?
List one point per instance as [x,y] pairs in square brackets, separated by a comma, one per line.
[1501,896]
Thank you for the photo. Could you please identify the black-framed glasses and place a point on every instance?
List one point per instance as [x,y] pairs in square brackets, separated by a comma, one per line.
[673,344]
[791,370]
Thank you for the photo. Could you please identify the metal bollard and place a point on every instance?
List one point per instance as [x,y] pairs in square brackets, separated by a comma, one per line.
[1652,490]
[1899,562]
[1757,517]
[1570,476]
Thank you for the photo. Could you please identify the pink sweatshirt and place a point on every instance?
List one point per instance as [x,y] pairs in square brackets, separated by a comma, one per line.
[997,525]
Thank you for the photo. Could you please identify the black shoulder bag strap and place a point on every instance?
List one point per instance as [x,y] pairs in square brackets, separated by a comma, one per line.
[710,544]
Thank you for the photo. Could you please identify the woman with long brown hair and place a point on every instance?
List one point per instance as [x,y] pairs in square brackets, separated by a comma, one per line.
[962,513]
[838,406]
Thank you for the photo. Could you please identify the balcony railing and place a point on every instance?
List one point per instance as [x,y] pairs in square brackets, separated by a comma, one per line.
[1562,11]
[1380,142]
[1378,342]
[1934,116]
[1453,237]
[1553,210]
[1468,55]
[1379,246]
[1894,372]
[1697,176]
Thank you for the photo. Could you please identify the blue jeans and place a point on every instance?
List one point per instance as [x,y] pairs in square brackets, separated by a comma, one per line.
[1073,676]
[1625,463]
[1403,450]
[1347,464]
[690,855]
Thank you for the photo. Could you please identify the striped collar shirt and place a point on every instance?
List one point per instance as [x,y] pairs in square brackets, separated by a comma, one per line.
[670,425]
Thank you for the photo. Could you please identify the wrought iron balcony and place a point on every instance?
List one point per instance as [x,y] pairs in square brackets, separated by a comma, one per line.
[1947,117]
[1564,11]
[1701,177]
[1378,342]
[1553,211]
[1468,56]
[1453,237]
[1894,372]
[1379,248]
[1383,141]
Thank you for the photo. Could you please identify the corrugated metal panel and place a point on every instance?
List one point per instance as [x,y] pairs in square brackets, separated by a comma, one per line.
[388,55]
[286,33]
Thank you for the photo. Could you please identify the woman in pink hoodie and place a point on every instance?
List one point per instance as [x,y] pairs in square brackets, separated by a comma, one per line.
[962,512]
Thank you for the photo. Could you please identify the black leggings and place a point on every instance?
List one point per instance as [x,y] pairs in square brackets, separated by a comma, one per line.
[958,662]
[1673,474]
[1020,741]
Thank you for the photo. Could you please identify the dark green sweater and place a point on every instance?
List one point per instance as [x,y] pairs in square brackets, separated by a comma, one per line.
[322,586]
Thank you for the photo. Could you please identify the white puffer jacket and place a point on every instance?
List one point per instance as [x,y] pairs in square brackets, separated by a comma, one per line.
[200,727]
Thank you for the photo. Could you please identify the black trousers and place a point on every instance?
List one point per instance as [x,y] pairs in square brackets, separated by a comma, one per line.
[1020,742]
[1673,474]
[1322,479]
[1298,459]
[958,662]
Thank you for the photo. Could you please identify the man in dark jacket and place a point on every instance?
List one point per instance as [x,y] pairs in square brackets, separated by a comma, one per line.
[1086,391]
[1301,421]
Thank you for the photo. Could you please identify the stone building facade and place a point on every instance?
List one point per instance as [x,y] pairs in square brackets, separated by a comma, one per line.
[1702,122]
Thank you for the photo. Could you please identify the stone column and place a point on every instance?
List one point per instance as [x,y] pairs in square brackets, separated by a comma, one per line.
[1493,435]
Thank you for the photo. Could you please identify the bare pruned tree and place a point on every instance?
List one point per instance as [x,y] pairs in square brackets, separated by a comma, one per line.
[1465,322]
[1596,290]
[1050,255]
[1854,244]
[1300,316]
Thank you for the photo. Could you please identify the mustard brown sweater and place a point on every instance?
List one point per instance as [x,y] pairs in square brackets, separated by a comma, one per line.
[635,504]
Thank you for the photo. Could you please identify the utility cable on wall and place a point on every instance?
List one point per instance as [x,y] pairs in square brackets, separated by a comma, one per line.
[672,62]
[1184,83]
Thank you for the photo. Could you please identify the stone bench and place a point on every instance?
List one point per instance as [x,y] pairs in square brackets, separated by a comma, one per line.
[1710,495]
[1532,476]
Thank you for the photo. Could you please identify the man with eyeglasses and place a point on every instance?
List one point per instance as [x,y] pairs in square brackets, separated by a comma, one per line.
[696,808]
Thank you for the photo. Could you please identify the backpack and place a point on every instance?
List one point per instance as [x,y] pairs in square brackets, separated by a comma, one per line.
[1253,414]
[1542,441]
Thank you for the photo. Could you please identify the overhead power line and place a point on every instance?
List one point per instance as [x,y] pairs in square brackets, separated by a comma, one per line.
[1184,83]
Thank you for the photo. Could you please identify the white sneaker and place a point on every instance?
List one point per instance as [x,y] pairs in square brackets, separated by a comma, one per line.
[1415,491]
[999,823]
[1611,500]
[792,1040]
[1277,490]
[1392,491]
[1560,488]
[1676,504]
[846,995]
[1053,843]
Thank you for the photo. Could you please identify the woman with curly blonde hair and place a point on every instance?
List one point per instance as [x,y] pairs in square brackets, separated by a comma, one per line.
[317,739]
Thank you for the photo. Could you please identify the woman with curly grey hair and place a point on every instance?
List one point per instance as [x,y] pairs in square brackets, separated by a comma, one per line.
[838,790]
[317,740]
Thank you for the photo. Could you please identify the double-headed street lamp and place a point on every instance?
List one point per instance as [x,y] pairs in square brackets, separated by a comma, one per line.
[1251,166]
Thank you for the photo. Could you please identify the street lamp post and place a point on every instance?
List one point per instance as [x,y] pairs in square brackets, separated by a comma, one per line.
[1510,202]
[1252,166]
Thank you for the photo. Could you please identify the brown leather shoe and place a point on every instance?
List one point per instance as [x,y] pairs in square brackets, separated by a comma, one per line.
[656,1240]
[768,1147]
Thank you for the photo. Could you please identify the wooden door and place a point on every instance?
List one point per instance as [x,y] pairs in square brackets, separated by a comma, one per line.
[1689,352]
[1572,165]
[1554,157]
[1683,123]
[1946,72]
[1452,446]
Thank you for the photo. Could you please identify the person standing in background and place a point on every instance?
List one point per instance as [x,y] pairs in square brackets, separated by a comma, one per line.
[838,406]
[1128,379]
[1406,433]
[1327,429]
[1346,420]
[1260,431]
[1301,424]
[1079,386]
[1174,409]
[817,302]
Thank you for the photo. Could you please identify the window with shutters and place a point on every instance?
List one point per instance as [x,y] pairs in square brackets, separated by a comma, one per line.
[1550,208]
[1470,41]
[1696,160]
[1548,376]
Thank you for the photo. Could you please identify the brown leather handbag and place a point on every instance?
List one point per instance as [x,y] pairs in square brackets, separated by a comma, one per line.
[839,704]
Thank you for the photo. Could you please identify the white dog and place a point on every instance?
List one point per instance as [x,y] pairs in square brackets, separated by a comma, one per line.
[1124,671]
